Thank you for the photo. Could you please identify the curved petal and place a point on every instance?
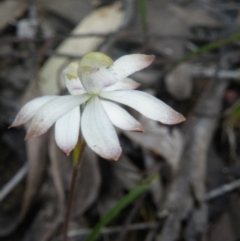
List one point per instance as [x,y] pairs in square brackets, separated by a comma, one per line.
[128,64]
[94,80]
[29,110]
[92,85]
[72,81]
[52,111]
[74,86]
[146,104]
[125,84]
[120,117]
[99,132]
[67,130]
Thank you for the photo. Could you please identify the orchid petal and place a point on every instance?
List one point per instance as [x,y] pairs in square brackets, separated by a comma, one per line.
[74,86]
[146,104]
[120,117]
[52,111]
[72,81]
[128,64]
[67,130]
[99,132]
[92,85]
[96,80]
[105,76]
[125,84]
[29,110]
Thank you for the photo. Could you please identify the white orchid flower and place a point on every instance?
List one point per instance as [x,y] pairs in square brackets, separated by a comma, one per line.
[94,83]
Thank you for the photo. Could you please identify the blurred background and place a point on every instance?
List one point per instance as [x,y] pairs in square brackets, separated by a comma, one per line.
[177,183]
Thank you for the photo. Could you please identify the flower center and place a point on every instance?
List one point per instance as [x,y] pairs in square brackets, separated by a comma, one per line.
[94,71]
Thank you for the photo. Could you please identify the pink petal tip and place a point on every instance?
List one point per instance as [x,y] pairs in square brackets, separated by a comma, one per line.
[30,134]
[176,119]
[150,58]
[116,158]
[67,153]
[14,124]
[139,129]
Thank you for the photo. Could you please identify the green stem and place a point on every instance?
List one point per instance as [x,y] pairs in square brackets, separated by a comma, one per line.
[77,162]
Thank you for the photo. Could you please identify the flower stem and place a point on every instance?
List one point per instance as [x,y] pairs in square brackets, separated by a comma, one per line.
[77,162]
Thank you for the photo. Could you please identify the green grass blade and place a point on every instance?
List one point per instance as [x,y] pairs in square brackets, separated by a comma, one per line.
[209,47]
[143,13]
[125,201]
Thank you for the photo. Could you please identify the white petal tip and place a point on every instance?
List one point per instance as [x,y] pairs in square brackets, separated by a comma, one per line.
[175,119]
[140,129]
[14,124]
[136,86]
[115,157]
[31,133]
[149,58]
[67,153]
[145,60]
[182,118]
[28,136]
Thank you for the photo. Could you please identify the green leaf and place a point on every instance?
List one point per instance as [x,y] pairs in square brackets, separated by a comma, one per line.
[125,201]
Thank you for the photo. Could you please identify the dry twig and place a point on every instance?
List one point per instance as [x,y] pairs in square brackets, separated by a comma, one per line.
[224,189]
[14,181]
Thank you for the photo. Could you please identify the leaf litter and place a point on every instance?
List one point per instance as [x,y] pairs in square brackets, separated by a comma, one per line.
[176,203]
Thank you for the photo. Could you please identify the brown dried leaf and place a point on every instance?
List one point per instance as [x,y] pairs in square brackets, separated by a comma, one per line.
[37,153]
[56,156]
[111,195]
[103,20]
[72,10]
[126,173]
[159,139]
[37,158]
[167,18]
[9,10]
[89,179]
[147,78]
[187,192]
[88,184]
[49,219]
[156,189]
[163,20]
[222,229]
[179,82]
